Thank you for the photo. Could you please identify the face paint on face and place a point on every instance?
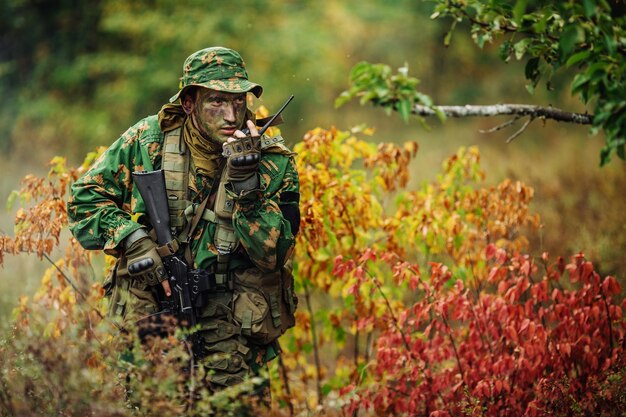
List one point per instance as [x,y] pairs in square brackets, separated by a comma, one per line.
[218,114]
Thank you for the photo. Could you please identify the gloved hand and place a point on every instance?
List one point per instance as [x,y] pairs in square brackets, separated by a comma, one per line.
[243,153]
[143,260]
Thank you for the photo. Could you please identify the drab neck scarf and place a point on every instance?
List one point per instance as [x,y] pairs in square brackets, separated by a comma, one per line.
[205,154]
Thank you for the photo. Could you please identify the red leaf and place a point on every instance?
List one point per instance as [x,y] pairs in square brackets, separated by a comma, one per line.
[498,386]
[339,268]
[501,256]
[511,333]
[370,254]
[610,286]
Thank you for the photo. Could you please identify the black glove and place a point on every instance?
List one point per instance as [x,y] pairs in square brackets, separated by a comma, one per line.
[243,155]
[144,261]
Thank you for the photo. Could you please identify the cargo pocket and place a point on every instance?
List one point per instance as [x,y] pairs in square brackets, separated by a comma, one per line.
[289,297]
[260,306]
[227,362]
[250,310]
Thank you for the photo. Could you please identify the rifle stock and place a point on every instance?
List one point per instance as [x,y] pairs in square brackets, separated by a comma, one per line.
[151,186]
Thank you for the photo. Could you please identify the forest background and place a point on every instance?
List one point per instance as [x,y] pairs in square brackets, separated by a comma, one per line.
[75,75]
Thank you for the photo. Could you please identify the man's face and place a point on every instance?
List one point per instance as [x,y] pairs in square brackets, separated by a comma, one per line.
[218,114]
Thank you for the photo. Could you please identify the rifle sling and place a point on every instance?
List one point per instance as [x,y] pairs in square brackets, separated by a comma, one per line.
[208,201]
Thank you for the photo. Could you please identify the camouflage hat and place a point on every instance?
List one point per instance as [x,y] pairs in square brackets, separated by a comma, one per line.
[217,68]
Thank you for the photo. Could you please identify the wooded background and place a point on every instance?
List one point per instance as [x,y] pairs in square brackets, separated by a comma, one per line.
[74,75]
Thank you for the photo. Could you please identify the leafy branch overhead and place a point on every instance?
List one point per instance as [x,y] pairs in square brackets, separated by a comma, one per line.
[588,39]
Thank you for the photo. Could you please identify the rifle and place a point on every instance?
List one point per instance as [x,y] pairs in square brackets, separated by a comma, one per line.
[187,285]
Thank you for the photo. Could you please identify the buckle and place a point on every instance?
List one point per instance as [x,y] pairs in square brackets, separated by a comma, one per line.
[168,249]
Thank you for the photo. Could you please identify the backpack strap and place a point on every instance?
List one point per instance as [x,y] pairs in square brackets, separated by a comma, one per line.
[176,166]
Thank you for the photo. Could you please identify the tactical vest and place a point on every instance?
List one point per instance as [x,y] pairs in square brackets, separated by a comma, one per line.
[176,166]
[263,303]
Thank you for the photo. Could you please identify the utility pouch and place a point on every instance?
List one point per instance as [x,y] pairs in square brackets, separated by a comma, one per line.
[264,304]
[224,204]
[225,239]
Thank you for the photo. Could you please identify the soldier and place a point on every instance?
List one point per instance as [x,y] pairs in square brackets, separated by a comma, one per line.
[237,219]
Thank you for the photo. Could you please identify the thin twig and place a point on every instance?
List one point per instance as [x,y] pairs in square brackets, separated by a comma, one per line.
[521,130]
[391,313]
[608,315]
[501,126]
[69,281]
[283,369]
[356,349]
[316,355]
[79,292]
[402,334]
[456,352]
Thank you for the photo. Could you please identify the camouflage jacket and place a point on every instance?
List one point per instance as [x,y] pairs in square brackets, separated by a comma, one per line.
[105,207]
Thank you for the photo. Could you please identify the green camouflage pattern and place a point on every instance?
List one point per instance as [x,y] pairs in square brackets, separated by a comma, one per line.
[104,205]
[217,68]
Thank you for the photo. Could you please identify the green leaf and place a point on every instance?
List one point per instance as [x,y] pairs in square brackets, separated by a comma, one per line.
[590,7]
[504,51]
[518,11]
[448,37]
[580,80]
[568,40]
[424,99]
[531,70]
[404,108]
[440,114]
[11,199]
[343,98]
[611,44]
[605,156]
[521,47]
[483,38]
[577,57]
[340,334]
[458,241]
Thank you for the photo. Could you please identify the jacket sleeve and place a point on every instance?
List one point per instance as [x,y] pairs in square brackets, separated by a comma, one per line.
[266,220]
[102,200]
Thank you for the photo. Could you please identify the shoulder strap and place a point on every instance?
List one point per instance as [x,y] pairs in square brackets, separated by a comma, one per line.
[275,144]
[176,166]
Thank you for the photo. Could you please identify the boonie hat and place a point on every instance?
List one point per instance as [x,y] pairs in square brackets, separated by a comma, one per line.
[217,68]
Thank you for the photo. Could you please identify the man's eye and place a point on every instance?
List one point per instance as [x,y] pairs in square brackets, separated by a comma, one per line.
[217,101]
[240,100]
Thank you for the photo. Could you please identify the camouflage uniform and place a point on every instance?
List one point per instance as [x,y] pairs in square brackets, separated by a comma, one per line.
[105,208]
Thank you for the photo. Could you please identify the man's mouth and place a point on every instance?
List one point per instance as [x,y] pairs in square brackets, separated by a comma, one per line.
[228,130]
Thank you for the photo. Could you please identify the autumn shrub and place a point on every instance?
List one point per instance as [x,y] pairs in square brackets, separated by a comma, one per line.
[525,346]
[419,302]
[65,356]
[412,302]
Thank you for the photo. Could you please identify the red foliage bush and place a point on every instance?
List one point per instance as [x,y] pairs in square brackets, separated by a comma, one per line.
[526,345]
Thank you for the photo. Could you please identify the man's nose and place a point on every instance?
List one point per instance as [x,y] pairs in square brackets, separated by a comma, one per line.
[230,113]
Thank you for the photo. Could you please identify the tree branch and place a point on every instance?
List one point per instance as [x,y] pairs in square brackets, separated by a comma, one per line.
[506,109]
